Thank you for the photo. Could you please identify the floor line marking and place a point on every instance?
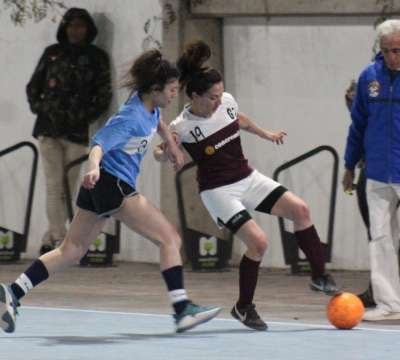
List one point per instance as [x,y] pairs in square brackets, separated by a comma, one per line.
[285,323]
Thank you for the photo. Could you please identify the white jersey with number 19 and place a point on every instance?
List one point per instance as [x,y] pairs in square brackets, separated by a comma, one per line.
[214,144]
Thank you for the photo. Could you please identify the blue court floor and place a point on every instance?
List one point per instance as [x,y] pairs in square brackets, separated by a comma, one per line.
[73,334]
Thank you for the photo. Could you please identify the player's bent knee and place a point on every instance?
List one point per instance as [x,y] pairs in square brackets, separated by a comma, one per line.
[302,211]
[178,242]
[170,239]
[260,244]
[173,236]
[72,250]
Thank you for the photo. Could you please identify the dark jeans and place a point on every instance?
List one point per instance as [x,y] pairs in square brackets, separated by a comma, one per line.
[362,200]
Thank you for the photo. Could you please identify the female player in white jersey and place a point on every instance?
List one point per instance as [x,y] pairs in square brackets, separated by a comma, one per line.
[109,188]
[209,129]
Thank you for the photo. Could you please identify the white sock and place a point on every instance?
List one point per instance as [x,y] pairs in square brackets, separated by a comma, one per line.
[24,283]
[177,295]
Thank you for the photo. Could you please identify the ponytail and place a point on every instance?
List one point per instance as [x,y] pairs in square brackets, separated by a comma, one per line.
[150,72]
[194,76]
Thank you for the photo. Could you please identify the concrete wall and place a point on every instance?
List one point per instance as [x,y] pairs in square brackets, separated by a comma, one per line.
[291,73]
[286,72]
[223,8]
[180,28]
[121,32]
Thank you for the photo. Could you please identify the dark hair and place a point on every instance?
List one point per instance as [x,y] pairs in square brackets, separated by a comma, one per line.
[76,13]
[150,72]
[194,76]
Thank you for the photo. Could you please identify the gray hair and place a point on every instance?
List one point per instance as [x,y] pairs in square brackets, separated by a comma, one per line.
[387,28]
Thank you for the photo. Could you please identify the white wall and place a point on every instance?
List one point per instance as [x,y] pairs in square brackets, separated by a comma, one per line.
[291,73]
[287,73]
[121,33]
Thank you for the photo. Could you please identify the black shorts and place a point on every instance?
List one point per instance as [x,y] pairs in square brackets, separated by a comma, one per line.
[106,197]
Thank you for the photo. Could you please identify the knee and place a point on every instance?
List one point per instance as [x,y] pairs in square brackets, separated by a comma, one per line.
[72,251]
[260,244]
[177,240]
[301,212]
[171,238]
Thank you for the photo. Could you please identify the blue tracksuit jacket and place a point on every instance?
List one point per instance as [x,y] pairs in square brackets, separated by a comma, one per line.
[375,129]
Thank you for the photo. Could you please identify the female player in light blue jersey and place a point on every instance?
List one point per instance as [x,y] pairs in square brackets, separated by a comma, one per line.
[109,188]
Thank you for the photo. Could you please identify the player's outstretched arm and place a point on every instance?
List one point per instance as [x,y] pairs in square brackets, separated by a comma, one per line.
[250,126]
[169,149]
[93,174]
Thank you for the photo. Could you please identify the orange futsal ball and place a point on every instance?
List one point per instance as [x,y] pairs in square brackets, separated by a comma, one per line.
[345,310]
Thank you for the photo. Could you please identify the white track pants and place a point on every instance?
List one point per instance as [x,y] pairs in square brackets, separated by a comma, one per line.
[382,202]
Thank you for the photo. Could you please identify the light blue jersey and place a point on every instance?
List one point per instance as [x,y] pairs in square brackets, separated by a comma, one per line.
[125,138]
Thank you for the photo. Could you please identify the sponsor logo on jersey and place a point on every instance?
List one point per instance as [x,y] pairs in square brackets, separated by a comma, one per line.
[210,150]
[226,140]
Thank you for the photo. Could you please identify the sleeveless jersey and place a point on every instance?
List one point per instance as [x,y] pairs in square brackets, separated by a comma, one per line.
[214,144]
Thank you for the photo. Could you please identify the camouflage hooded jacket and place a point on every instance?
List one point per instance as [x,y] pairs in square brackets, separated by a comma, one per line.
[71,85]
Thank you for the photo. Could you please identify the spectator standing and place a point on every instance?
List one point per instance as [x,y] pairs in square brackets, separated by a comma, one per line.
[375,135]
[69,89]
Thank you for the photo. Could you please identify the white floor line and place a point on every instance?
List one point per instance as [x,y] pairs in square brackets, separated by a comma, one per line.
[288,323]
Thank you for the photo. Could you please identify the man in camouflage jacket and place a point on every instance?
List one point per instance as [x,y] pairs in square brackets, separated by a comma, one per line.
[69,89]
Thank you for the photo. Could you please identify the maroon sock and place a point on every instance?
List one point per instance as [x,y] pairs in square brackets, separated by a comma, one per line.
[312,247]
[248,275]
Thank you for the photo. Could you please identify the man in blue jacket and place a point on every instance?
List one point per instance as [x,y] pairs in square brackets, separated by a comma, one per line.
[375,135]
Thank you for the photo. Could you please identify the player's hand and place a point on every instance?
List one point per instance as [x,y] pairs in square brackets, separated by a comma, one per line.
[347,182]
[90,178]
[176,138]
[277,137]
[176,156]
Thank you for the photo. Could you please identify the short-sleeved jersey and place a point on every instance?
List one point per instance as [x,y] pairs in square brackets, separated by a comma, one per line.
[125,139]
[214,144]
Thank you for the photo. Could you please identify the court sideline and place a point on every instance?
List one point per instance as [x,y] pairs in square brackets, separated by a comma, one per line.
[123,311]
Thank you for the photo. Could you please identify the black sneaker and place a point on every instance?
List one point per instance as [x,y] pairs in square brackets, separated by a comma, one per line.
[249,317]
[367,298]
[324,283]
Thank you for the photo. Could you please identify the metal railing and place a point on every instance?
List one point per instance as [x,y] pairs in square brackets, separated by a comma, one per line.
[290,247]
[179,193]
[21,239]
